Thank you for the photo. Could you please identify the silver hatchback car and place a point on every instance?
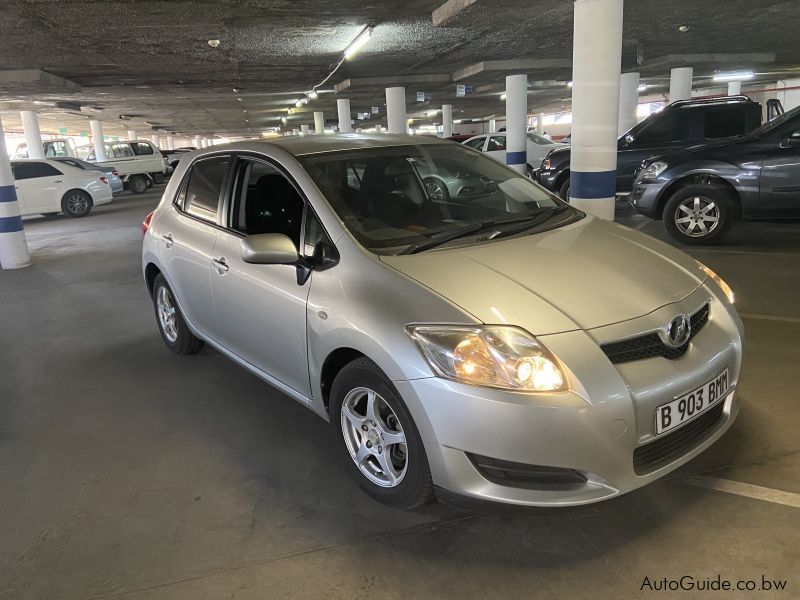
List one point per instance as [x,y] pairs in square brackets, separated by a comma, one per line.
[462,329]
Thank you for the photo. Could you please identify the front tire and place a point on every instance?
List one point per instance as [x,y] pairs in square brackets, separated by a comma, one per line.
[381,444]
[76,203]
[173,328]
[699,214]
[563,191]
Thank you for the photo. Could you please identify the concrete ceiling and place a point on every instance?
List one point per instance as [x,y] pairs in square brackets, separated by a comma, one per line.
[147,65]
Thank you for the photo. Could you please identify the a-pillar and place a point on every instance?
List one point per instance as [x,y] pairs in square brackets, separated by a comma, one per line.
[319,123]
[132,136]
[516,122]
[345,120]
[98,141]
[596,65]
[396,110]
[734,88]
[447,120]
[13,246]
[628,101]
[33,137]
[680,83]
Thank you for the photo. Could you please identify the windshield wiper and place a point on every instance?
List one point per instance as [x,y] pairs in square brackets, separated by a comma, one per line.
[538,219]
[468,230]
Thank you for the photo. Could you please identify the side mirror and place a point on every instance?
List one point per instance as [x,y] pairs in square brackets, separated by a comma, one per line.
[269,249]
[793,141]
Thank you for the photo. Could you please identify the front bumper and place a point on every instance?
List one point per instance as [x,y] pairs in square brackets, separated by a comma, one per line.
[592,430]
[645,196]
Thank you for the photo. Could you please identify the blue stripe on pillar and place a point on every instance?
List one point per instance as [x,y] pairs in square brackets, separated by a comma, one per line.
[592,185]
[10,224]
[516,158]
[8,193]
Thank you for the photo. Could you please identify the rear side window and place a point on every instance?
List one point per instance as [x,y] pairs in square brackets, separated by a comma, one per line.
[669,127]
[725,121]
[476,143]
[33,170]
[204,187]
[140,148]
[121,151]
[496,142]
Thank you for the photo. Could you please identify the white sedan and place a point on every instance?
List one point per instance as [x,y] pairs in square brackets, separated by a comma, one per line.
[494,145]
[48,187]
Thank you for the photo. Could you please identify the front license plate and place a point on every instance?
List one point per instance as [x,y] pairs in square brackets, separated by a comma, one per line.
[687,407]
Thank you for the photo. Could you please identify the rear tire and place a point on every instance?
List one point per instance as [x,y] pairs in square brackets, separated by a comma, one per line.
[699,214]
[76,203]
[173,328]
[381,445]
[137,184]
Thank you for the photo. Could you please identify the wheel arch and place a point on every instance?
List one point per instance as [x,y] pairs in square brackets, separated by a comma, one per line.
[151,271]
[698,178]
[331,366]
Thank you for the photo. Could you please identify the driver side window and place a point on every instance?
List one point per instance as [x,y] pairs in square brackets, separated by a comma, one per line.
[266,202]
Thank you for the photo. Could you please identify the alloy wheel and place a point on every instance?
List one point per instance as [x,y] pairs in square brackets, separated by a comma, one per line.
[374,437]
[697,216]
[77,204]
[166,314]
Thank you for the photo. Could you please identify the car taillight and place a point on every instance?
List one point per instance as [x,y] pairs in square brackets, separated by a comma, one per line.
[104,180]
[146,223]
[114,173]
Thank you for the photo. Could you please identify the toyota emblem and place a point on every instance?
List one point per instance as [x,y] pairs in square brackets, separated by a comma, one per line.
[678,331]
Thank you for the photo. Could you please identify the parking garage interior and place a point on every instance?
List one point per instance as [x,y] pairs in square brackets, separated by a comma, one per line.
[131,472]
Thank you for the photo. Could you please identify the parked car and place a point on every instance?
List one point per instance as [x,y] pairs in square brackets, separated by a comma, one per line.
[139,163]
[461,137]
[494,145]
[49,187]
[110,170]
[678,125]
[700,191]
[449,343]
[51,148]
[173,157]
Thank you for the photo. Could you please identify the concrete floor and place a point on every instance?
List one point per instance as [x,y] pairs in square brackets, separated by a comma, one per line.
[128,472]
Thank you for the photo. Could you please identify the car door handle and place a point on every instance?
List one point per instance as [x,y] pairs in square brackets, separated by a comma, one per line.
[168,241]
[220,265]
[59,181]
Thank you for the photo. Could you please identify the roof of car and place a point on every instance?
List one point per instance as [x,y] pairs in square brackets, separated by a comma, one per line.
[312,144]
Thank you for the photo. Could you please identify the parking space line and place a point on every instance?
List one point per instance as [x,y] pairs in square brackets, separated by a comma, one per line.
[770,318]
[756,492]
[641,225]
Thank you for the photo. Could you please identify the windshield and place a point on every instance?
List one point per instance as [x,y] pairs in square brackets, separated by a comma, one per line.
[538,139]
[777,122]
[393,198]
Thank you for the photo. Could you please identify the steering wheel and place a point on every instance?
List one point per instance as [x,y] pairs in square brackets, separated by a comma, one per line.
[436,189]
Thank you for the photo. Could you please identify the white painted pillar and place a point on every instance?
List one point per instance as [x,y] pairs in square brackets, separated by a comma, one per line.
[345,120]
[447,120]
[98,141]
[628,101]
[157,141]
[396,110]
[492,125]
[303,129]
[789,93]
[516,122]
[680,83]
[540,123]
[33,137]
[734,88]
[132,136]
[596,65]
[295,132]
[170,142]
[319,123]
[13,246]
[197,141]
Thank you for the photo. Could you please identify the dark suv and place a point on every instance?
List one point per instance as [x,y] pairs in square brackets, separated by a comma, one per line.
[700,191]
[680,124]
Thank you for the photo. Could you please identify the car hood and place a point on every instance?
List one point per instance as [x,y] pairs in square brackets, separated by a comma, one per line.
[585,275]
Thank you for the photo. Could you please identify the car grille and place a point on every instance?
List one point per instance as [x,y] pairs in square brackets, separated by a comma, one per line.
[650,345]
[662,451]
[531,477]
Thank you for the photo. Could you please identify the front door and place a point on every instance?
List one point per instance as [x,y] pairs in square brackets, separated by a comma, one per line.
[38,186]
[261,309]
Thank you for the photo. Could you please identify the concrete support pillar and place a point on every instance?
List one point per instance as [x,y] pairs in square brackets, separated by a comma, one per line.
[628,101]
[319,123]
[492,125]
[345,120]
[516,122]
[734,88]
[596,65]
[396,110]
[304,129]
[98,141]
[789,94]
[13,246]
[378,128]
[132,135]
[170,142]
[447,120]
[295,132]
[157,141]
[540,123]
[197,141]
[680,83]
[33,137]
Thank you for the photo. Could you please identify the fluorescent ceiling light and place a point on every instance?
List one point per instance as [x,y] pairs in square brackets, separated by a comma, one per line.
[569,84]
[734,76]
[642,87]
[358,43]
[503,96]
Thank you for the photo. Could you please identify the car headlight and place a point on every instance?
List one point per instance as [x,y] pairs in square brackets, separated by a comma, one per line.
[653,170]
[491,356]
[547,164]
[726,289]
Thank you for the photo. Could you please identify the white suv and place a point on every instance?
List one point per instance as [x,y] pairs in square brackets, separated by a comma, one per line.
[139,164]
